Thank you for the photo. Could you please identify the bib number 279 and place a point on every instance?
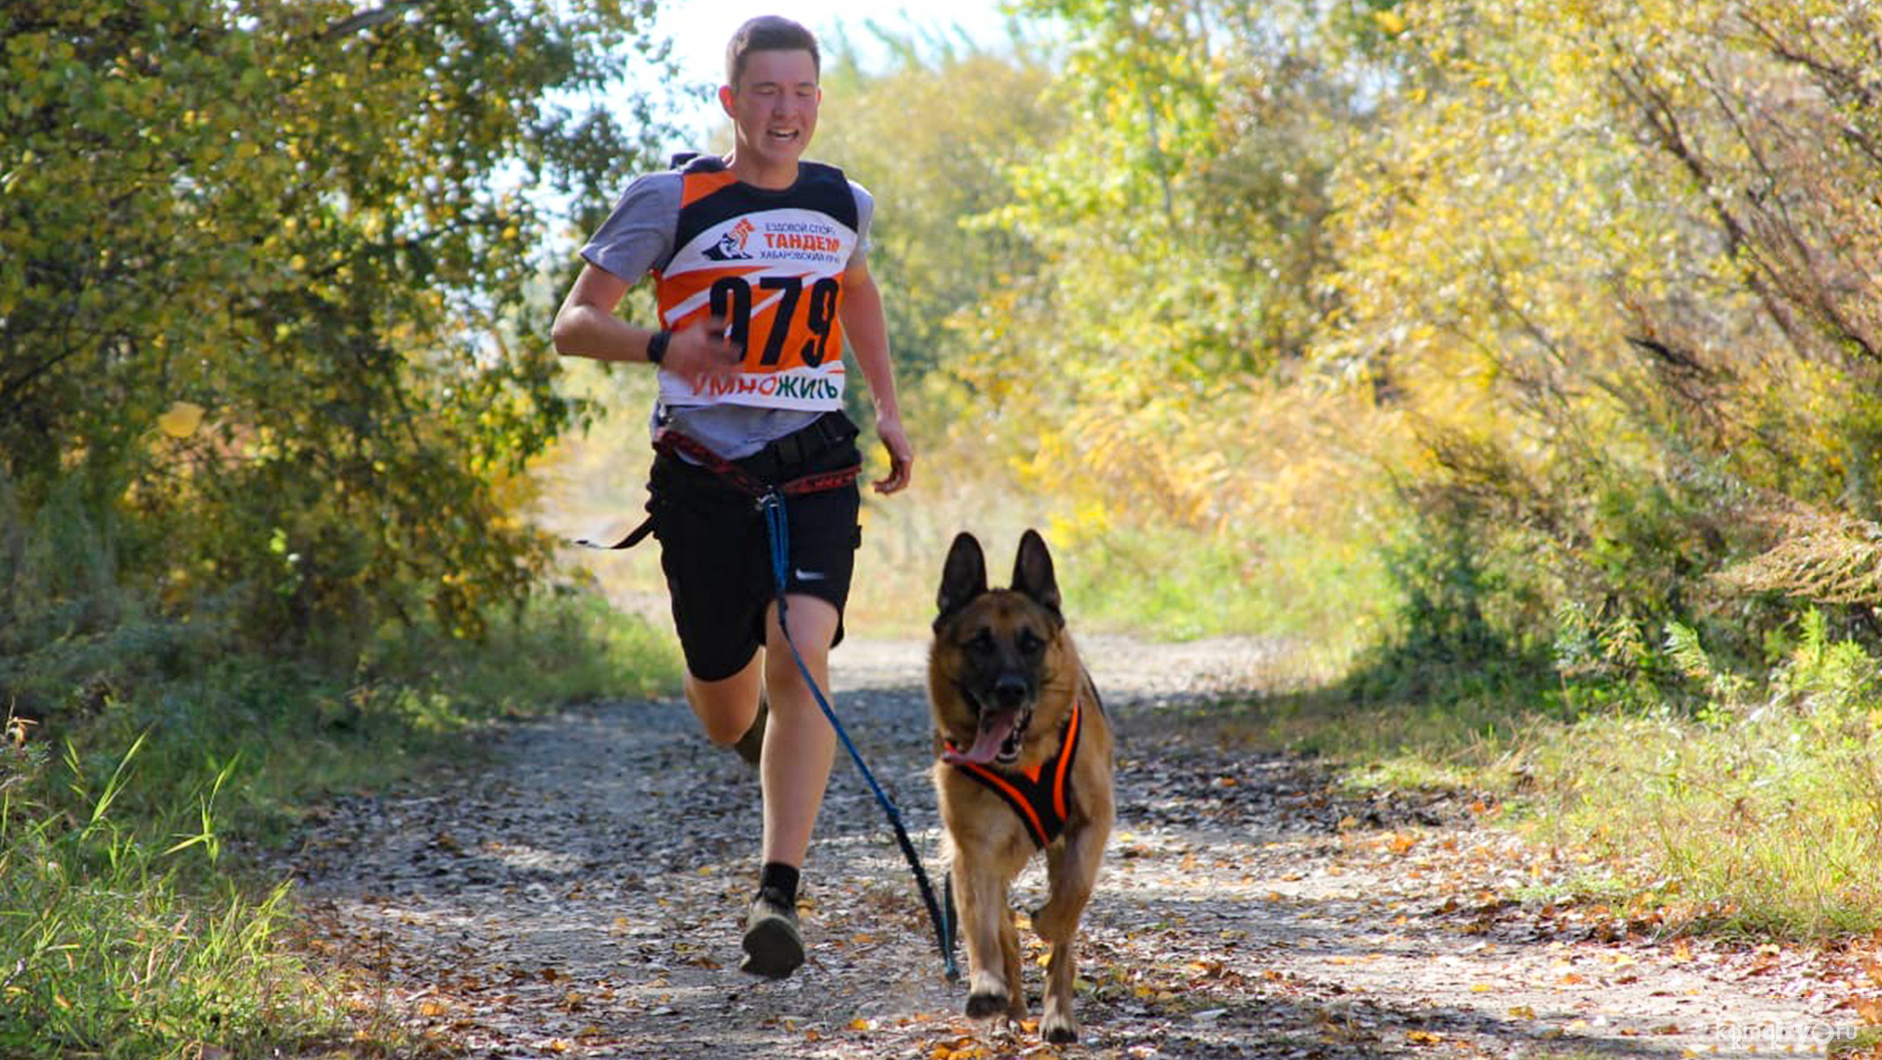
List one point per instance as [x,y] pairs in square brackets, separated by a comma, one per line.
[732,302]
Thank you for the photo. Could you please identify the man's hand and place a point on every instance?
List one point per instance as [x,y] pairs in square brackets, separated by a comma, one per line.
[901,455]
[701,353]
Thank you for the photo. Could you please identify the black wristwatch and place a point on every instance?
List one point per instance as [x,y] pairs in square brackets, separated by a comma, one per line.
[657,346]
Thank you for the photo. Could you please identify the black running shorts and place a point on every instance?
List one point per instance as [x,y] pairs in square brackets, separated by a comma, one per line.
[717,556]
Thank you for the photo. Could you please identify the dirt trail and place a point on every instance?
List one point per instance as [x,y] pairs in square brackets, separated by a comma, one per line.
[578,890]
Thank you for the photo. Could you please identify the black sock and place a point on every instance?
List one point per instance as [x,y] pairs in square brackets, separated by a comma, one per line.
[781,880]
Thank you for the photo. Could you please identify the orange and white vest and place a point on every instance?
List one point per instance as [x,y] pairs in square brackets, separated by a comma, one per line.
[769,263]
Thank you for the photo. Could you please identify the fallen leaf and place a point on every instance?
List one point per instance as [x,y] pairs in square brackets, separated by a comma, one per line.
[1205,968]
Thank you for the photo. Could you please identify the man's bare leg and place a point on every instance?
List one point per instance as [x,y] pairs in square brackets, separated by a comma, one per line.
[726,708]
[800,745]
[799,749]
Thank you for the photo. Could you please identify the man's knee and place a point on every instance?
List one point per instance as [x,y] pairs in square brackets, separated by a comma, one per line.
[724,733]
[726,709]
[813,624]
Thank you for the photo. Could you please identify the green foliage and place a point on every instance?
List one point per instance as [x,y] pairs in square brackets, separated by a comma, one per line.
[126,926]
[982,111]
[1144,361]
[264,321]
[1464,628]
[1759,813]
[1602,252]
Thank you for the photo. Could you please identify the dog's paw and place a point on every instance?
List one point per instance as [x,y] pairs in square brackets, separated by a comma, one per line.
[1056,1024]
[982,1006]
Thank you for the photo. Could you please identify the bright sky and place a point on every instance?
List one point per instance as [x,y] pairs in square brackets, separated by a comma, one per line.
[700,29]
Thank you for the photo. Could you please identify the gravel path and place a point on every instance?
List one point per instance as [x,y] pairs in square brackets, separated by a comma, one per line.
[577,888]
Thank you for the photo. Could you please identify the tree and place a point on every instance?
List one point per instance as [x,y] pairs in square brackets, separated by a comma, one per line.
[309,231]
[1614,259]
[1179,225]
[982,111]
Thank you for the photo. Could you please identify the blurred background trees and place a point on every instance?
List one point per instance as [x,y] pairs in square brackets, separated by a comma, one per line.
[1563,321]
[1439,326]
[272,344]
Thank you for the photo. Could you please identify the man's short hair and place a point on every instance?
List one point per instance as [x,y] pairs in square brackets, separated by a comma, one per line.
[768,33]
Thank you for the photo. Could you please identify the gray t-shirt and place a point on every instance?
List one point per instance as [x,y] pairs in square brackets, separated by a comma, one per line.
[637,238]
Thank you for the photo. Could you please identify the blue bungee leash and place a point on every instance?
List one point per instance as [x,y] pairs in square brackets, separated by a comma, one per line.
[777,530]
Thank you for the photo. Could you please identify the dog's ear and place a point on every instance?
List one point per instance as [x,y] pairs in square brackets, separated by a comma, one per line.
[963,577]
[1032,572]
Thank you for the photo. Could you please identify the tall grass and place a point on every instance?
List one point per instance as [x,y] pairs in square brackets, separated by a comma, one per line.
[1737,802]
[1761,809]
[144,761]
[113,944]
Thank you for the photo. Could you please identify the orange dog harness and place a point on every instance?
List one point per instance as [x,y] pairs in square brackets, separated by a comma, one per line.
[1040,795]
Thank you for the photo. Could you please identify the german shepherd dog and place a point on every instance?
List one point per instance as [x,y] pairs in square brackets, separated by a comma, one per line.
[1025,765]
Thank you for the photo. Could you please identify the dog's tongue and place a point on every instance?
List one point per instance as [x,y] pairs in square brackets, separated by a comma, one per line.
[993,732]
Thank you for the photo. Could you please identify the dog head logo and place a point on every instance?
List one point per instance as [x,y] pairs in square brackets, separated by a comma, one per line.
[998,652]
[731,246]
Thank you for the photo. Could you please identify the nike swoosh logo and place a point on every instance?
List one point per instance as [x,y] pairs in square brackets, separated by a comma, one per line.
[808,575]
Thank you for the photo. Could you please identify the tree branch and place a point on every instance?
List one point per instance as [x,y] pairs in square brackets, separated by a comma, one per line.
[377,16]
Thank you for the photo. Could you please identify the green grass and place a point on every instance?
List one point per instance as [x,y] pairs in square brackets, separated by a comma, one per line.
[1749,822]
[131,924]
[1743,806]
[113,939]
[1174,585]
